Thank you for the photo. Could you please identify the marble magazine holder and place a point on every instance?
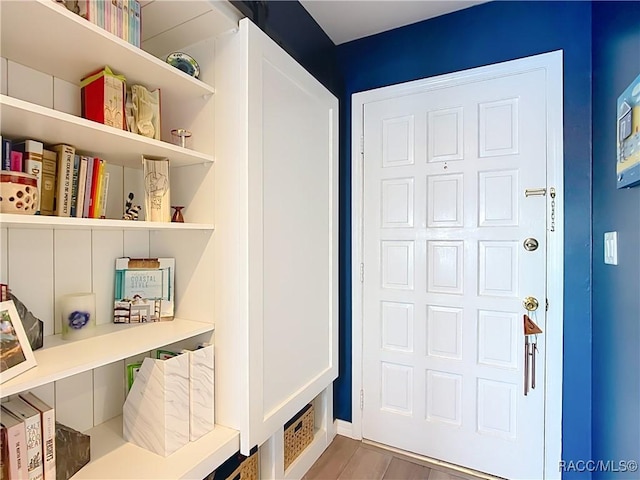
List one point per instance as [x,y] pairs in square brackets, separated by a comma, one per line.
[171,402]
[156,411]
[201,400]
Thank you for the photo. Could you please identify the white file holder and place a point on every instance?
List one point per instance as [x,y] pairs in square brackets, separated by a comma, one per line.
[201,395]
[156,411]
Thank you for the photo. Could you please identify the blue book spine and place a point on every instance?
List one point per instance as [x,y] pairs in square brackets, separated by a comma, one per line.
[6,154]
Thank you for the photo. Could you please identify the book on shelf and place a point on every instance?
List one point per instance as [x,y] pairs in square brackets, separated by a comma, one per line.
[88,187]
[17,165]
[6,154]
[104,191]
[65,154]
[96,186]
[49,180]
[74,185]
[33,429]
[15,450]
[82,184]
[143,290]
[31,151]
[48,432]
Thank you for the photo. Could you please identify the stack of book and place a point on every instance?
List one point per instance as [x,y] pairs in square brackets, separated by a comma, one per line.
[28,434]
[83,184]
[69,184]
[119,17]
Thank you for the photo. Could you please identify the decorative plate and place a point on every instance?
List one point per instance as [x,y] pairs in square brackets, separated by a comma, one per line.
[184,62]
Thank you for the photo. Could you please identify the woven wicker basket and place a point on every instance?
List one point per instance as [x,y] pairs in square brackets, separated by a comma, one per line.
[248,469]
[298,434]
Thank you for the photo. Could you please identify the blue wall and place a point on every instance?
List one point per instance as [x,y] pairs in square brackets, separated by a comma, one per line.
[616,299]
[485,34]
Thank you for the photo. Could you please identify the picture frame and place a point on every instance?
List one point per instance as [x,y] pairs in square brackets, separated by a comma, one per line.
[628,136]
[16,355]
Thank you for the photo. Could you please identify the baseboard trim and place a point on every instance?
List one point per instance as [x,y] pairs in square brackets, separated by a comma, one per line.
[344,428]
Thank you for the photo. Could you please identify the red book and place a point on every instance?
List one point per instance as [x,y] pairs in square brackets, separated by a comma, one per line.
[95,187]
[16,161]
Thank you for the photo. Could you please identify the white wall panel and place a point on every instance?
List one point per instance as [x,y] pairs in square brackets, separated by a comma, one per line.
[46,393]
[30,272]
[136,243]
[3,255]
[3,75]
[30,85]
[66,97]
[73,265]
[398,141]
[115,195]
[107,245]
[108,392]
[74,401]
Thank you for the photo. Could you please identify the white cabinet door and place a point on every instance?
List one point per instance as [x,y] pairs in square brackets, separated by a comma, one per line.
[276,234]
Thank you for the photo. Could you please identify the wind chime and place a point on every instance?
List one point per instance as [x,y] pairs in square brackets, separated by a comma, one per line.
[531,331]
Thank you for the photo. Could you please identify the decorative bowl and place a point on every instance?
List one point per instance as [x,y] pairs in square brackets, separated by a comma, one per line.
[18,193]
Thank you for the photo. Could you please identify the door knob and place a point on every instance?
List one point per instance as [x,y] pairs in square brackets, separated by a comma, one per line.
[530,304]
[530,244]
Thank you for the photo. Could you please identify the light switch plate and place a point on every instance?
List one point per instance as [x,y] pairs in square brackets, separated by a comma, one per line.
[611,248]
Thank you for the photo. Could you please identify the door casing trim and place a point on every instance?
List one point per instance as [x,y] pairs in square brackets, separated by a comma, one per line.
[552,64]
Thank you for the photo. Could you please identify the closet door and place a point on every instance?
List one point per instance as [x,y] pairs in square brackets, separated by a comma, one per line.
[292,229]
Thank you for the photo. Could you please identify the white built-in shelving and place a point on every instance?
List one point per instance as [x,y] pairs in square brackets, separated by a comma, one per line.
[111,342]
[78,253]
[22,119]
[115,459]
[67,223]
[44,35]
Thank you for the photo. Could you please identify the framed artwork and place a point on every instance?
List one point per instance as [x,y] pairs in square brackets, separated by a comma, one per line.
[628,141]
[16,355]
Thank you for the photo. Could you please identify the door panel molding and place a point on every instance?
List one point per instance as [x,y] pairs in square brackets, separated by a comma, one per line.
[551,63]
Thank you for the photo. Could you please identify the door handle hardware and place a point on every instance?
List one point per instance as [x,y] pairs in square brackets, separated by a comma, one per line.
[530,244]
[535,192]
[530,304]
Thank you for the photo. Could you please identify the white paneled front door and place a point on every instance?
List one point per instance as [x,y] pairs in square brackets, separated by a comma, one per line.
[445,215]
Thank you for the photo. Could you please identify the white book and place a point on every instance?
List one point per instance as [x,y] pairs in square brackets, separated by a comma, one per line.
[82,184]
[31,418]
[104,190]
[16,445]
[48,424]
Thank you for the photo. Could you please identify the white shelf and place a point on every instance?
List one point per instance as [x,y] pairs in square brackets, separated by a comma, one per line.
[44,35]
[70,223]
[22,119]
[112,342]
[114,458]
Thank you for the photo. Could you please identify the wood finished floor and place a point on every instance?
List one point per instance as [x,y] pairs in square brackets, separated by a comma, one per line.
[348,459]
